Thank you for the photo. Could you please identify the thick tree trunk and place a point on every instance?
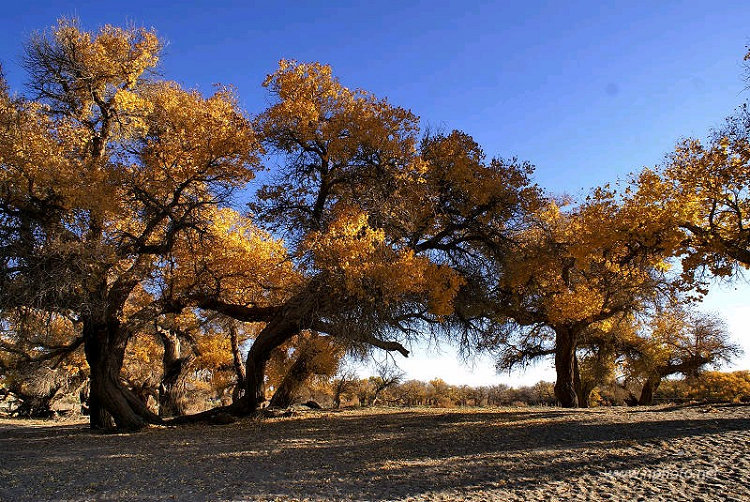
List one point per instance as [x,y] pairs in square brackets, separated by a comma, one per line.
[170,391]
[565,351]
[99,417]
[109,401]
[275,333]
[649,388]
[255,379]
[295,316]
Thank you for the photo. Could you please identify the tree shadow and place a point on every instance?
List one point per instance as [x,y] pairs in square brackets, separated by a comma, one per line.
[342,456]
[689,406]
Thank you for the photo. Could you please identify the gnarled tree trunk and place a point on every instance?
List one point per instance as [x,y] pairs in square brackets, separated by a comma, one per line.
[296,316]
[300,370]
[174,366]
[565,351]
[283,324]
[109,401]
[276,332]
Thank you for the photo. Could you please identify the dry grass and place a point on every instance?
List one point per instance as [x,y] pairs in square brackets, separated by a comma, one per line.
[382,454]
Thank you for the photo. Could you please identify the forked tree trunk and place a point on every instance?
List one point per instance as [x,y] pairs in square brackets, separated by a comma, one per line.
[649,388]
[565,351]
[295,316]
[276,332]
[339,389]
[109,401]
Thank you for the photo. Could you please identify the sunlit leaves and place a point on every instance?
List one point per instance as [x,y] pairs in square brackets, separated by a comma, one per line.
[80,73]
[357,259]
[233,261]
[698,202]
[720,386]
[677,340]
[339,144]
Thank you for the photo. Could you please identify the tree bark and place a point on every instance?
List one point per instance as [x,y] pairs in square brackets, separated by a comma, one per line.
[276,332]
[296,315]
[170,392]
[649,388]
[285,322]
[239,367]
[300,370]
[109,401]
[565,350]
[582,390]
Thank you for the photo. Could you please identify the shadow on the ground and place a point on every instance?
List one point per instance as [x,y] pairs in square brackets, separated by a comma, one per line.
[686,406]
[362,457]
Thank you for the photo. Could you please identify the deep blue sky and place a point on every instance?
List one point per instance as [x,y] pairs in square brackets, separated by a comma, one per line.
[587,92]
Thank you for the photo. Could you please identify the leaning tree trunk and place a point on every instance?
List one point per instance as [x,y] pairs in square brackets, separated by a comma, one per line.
[565,351]
[276,332]
[293,318]
[109,401]
[649,388]
[300,370]
[338,391]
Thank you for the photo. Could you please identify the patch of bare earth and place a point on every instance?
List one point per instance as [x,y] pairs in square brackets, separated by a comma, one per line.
[416,454]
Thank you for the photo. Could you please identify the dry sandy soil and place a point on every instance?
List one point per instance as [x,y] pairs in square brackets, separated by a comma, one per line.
[694,453]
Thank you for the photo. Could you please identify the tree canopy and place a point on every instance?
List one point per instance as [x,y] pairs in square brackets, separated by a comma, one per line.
[119,229]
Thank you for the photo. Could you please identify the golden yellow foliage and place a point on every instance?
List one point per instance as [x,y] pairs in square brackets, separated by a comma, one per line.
[358,261]
[720,386]
[697,204]
[314,107]
[233,260]
[576,264]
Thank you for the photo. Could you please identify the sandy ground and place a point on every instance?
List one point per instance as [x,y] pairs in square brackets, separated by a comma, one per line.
[417,454]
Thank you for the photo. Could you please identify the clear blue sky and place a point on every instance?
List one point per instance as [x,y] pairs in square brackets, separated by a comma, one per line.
[587,91]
